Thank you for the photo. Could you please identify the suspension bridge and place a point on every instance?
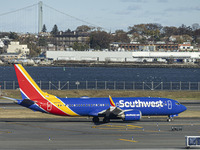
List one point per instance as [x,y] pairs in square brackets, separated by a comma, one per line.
[30,19]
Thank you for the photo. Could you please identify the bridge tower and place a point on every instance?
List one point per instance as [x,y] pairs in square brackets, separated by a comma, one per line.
[40,16]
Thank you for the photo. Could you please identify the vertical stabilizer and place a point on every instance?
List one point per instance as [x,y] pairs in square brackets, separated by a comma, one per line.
[29,89]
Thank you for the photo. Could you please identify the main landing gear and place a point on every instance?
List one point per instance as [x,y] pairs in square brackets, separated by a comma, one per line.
[96,119]
[106,120]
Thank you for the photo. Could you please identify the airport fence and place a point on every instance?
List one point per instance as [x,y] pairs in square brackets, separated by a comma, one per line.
[106,85]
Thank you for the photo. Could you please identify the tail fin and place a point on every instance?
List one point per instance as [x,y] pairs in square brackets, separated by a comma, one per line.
[29,89]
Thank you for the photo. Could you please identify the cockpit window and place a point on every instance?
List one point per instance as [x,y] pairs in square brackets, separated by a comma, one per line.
[177,103]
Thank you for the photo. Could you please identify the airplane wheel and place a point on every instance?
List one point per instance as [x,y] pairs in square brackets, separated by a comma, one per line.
[95,119]
[106,120]
[169,120]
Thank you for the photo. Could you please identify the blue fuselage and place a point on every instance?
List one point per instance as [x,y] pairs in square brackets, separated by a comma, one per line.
[147,106]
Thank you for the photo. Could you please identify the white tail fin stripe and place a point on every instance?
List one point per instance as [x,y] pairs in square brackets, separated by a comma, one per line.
[23,93]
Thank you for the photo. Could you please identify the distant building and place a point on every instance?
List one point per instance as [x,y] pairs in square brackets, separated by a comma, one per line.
[111,56]
[15,47]
[68,38]
[149,47]
[166,56]
[10,56]
[99,56]
[175,38]
[186,47]
[158,46]
[167,47]
[115,46]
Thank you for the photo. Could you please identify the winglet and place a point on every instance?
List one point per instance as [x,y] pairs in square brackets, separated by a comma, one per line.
[111,101]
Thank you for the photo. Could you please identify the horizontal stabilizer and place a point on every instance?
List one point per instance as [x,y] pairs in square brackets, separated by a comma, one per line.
[13,99]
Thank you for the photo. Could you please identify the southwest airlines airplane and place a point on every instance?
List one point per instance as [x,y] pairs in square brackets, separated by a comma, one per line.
[125,108]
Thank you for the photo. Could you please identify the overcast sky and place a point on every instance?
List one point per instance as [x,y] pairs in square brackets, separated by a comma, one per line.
[109,14]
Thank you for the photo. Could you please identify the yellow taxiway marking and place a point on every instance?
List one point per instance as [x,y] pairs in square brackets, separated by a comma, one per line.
[125,128]
[5,132]
[128,140]
[117,127]
[155,131]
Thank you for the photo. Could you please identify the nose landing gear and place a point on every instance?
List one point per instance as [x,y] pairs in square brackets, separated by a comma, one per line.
[170,118]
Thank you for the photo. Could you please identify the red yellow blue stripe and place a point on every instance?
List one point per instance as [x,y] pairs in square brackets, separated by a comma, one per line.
[111,101]
[34,93]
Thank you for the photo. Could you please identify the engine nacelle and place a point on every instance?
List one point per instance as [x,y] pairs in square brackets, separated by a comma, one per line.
[133,115]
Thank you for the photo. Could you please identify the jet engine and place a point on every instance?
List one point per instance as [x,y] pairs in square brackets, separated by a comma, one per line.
[133,115]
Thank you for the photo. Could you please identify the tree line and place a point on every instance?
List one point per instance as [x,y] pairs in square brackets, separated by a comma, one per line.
[99,39]
[143,33]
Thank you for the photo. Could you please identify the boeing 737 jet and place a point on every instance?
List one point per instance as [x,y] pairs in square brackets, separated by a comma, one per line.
[125,108]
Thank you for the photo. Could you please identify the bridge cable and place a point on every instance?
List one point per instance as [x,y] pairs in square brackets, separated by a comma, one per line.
[74,17]
[3,14]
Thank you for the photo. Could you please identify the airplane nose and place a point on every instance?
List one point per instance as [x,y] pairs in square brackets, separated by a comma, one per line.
[183,108]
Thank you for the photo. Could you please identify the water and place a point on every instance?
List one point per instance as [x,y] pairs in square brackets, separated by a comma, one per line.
[105,74]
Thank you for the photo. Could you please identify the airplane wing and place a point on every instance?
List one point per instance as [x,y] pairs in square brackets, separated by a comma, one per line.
[113,111]
[25,102]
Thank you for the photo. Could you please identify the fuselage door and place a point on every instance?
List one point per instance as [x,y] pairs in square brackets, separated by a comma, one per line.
[169,104]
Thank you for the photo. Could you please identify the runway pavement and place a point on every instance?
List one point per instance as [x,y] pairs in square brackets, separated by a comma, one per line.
[81,133]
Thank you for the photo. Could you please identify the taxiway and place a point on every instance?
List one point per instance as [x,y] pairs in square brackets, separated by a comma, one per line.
[81,133]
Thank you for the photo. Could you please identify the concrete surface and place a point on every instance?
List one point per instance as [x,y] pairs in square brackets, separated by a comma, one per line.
[81,133]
